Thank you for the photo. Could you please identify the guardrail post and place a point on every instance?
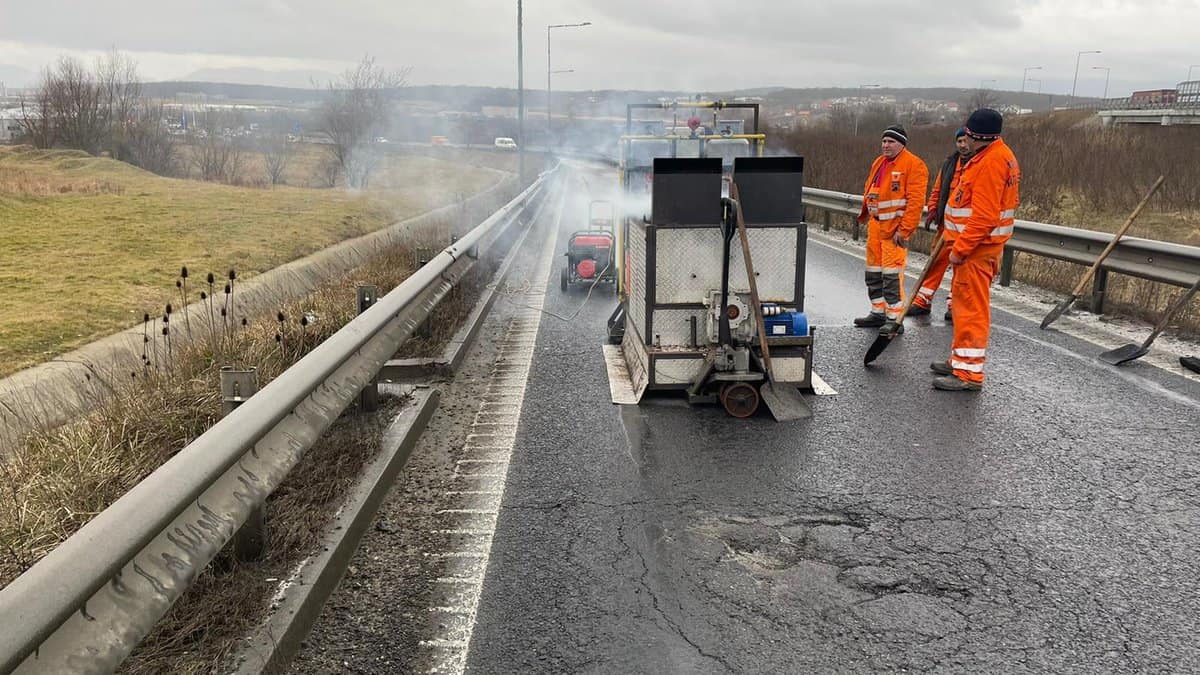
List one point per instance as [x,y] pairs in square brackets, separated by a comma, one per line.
[828,222]
[368,398]
[1099,290]
[1007,259]
[855,229]
[250,541]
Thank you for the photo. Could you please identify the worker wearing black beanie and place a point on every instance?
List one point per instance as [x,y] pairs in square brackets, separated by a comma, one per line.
[891,210]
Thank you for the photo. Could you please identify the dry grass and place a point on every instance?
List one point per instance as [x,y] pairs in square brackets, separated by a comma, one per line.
[87,243]
[59,479]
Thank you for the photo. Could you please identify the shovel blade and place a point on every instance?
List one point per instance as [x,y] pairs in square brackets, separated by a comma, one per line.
[1124,354]
[1058,311]
[784,402]
[1192,363]
[881,343]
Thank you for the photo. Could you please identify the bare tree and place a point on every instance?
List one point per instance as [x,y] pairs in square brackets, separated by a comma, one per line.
[148,144]
[982,98]
[217,153]
[121,90]
[37,118]
[277,153]
[355,112]
[76,100]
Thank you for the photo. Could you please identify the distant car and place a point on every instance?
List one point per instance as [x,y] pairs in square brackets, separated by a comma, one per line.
[506,143]
[381,139]
[438,140]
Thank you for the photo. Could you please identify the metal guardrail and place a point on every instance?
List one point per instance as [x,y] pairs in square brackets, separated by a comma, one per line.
[1158,261]
[88,603]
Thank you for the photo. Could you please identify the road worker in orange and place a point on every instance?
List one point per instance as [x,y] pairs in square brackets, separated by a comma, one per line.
[981,212]
[939,196]
[891,209]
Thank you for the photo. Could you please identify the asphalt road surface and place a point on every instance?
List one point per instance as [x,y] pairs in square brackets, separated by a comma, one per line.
[1049,523]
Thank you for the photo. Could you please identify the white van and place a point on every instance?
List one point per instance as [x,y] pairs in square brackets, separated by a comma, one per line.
[506,143]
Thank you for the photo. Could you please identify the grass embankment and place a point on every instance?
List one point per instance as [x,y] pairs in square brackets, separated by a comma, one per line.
[1074,172]
[89,244]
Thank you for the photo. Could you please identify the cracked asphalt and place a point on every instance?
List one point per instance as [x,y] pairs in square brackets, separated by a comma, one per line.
[1046,524]
[1049,523]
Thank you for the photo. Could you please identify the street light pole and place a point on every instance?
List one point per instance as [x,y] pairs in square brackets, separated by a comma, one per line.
[983,83]
[1189,77]
[1025,76]
[1106,74]
[520,95]
[1076,80]
[549,124]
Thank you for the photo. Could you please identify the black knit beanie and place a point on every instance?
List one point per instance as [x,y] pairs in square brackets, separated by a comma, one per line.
[896,132]
[984,124]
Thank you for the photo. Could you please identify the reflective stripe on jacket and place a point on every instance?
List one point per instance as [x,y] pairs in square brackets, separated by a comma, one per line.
[897,199]
[984,204]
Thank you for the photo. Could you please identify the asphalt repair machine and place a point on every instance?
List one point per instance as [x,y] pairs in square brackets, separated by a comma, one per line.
[712,279]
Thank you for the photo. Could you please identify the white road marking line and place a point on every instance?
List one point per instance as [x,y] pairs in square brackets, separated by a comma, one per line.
[821,387]
[509,378]
[620,387]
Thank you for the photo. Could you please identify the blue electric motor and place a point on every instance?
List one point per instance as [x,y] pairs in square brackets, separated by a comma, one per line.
[778,322]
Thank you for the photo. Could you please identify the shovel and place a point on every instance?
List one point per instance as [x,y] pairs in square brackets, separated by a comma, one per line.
[1065,304]
[1131,351]
[892,329]
[784,402]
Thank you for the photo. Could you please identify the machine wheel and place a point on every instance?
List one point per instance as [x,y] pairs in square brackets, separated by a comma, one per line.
[564,280]
[739,398]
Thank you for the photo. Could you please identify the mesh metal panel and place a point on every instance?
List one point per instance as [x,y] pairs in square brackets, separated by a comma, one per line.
[673,328]
[688,264]
[637,276]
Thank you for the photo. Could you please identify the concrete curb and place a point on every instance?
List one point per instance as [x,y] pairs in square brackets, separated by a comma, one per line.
[298,605]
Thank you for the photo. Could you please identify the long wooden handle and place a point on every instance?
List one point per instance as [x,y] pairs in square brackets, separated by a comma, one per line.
[1117,237]
[757,310]
[933,254]
[1179,304]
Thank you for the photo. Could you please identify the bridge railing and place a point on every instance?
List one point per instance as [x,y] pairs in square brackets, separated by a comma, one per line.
[1149,259]
[88,603]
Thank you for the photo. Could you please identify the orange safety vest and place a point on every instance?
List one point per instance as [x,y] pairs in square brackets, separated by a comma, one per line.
[983,208]
[887,199]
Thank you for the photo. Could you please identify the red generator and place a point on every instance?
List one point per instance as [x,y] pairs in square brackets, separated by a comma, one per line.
[590,252]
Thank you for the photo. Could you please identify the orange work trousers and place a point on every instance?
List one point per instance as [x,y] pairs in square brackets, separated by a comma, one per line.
[934,279]
[972,291]
[885,271]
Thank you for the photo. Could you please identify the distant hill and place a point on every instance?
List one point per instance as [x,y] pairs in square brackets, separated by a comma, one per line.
[472,98]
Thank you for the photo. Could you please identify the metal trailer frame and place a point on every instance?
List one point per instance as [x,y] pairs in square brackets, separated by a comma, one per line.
[674,260]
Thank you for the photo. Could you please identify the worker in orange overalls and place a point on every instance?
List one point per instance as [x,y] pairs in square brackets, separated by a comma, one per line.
[943,187]
[891,209]
[981,211]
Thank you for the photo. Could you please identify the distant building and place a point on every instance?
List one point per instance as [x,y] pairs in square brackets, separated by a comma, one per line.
[10,126]
[1152,97]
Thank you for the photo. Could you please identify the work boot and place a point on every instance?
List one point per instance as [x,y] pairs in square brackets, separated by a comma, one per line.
[942,368]
[952,383]
[918,310]
[872,320]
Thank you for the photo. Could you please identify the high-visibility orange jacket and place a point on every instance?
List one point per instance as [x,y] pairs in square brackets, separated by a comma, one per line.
[935,206]
[983,206]
[893,194]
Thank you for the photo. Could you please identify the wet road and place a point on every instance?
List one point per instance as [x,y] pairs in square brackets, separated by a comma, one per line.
[1046,524]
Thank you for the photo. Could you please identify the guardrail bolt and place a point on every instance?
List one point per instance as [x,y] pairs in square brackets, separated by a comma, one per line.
[368,398]
[250,541]
[1007,260]
[1099,290]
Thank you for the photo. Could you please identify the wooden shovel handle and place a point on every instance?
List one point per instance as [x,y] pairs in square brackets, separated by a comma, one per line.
[1117,237]
[757,310]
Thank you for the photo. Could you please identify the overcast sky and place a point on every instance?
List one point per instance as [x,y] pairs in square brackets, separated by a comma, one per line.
[633,44]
